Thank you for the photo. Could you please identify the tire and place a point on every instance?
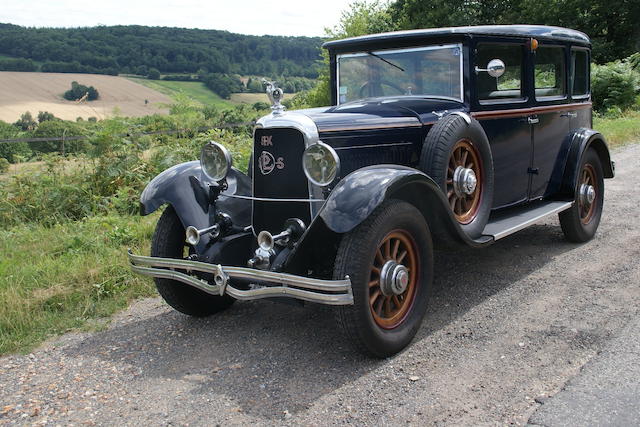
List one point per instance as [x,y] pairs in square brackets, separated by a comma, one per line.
[374,328]
[168,242]
[443,153]
[580,222]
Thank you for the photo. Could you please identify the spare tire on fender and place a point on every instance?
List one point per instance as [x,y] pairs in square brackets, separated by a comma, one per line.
[457,156]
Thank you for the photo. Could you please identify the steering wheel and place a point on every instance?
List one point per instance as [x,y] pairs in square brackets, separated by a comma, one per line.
[378,85]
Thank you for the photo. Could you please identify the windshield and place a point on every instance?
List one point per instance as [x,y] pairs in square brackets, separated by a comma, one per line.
[424,71]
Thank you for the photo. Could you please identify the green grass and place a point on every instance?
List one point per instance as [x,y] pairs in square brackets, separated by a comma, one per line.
[70,276]
[619,130]
[194,90]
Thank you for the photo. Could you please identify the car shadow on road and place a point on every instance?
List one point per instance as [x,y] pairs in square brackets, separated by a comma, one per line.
[269,357]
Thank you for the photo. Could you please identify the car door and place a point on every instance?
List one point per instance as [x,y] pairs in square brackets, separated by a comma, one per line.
[553,113]
[500,105]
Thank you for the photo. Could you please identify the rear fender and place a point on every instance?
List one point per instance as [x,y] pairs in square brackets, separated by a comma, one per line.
[566,173]
[186,188]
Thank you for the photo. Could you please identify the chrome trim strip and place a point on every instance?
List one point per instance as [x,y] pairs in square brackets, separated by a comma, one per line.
[265,199]
[374,145]
[306,288]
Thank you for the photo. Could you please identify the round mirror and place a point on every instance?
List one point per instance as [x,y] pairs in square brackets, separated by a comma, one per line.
[495,68]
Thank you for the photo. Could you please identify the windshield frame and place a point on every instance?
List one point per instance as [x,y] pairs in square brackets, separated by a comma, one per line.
[400,50]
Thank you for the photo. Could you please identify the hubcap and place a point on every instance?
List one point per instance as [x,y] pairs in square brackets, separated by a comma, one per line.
[393,279]
[464,181]
[587,193]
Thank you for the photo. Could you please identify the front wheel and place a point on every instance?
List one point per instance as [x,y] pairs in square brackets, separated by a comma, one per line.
[169,242]
[389,258]
[580,222]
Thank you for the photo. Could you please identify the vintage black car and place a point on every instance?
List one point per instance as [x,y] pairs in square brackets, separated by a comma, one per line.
[437,138]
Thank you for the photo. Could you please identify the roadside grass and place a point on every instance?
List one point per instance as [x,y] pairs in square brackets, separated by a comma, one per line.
[69,276]
[194,90]
[621,130]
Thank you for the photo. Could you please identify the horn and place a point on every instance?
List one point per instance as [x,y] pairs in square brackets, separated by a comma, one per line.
[192,234]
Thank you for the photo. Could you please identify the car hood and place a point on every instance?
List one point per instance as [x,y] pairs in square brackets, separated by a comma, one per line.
[374,113]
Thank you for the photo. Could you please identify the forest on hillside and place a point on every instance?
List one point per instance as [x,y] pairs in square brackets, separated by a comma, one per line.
[137,49]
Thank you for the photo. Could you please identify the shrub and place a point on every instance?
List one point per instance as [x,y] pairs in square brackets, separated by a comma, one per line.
[613,85]
[4,165]
[78,91]
[44,116]
[153,74]
[26,122]
[59,129]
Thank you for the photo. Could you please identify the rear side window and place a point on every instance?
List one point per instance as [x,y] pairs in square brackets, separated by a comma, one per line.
[550,72]
[507,86]
[579,73]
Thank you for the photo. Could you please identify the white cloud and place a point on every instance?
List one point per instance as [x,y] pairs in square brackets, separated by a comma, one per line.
[284,17]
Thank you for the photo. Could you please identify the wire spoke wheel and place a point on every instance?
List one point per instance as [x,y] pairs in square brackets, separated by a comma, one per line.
[587,179]
[390,309]
[463,163]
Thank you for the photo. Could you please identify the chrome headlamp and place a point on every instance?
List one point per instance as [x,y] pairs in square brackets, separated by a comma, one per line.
[215,161]
[321,164]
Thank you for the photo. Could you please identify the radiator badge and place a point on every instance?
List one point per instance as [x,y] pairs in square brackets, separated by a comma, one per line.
[267,163]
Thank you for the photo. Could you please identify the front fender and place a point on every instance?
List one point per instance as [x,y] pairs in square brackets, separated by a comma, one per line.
[186,188]
[362,191]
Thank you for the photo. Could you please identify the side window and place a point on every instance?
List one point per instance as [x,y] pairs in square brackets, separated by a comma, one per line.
[507,86]
[579,73]
[550,72]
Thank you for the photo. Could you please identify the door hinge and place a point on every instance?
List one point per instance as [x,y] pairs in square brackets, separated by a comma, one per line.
[533,171]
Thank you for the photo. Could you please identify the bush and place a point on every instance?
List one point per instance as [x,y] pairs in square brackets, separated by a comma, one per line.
[153,74]
[613,85]
[4,165]
[44,116]
[26,122]
[59,129]
[78,91]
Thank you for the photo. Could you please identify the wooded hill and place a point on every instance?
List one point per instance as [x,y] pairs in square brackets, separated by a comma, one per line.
[137,49]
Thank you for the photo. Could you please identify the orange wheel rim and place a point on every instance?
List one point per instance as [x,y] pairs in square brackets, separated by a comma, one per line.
[397,248]
[587,178]
[464,206]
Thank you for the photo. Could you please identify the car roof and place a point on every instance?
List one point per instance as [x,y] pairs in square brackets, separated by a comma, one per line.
[537,31]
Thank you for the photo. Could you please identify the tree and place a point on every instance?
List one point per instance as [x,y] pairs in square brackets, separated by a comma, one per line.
[79,91]
[153,74]
[26,122]
[44,116]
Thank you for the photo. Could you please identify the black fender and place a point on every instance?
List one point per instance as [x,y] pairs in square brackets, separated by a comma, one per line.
[186,188]
[358,195]
[565,175]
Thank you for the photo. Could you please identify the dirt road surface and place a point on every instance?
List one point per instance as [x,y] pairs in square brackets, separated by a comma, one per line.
[507,326]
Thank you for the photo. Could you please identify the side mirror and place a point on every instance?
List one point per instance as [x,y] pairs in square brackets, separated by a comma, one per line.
[495,68]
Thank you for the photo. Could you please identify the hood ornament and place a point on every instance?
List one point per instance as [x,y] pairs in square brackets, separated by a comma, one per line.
[275,95]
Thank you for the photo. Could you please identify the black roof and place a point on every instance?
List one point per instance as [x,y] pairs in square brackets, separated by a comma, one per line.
[537,31]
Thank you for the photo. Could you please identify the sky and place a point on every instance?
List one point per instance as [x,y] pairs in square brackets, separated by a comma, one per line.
[283,17]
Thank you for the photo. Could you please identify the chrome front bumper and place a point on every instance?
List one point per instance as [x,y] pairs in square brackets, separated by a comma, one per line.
[332,292]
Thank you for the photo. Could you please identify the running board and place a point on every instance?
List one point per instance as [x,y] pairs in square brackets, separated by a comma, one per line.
[507,223]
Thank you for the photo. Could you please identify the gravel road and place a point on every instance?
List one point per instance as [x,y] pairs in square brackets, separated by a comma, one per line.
[508,326]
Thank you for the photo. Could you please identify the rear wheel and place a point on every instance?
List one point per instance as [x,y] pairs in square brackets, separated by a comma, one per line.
[169,242]
[389,258]
[580,222]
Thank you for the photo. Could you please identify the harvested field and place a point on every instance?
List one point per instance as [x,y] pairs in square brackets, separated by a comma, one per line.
[34,92]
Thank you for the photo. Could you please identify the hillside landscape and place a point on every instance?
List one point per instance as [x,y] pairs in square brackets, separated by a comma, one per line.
[34,92]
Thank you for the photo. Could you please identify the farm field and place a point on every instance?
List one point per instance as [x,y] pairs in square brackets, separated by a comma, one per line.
[252,98]
[194,90]
[34,92]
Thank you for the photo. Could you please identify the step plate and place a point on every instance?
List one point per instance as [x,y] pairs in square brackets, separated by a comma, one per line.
[509,223]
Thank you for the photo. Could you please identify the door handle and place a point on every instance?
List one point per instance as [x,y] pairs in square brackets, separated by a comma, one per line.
[532,120]
[570,114]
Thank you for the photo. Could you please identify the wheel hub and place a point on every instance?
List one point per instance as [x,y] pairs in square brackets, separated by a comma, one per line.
[394,278]
[587,194]
[464,181]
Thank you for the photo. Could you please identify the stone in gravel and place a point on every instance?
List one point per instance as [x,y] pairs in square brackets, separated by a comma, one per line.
[414,378]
